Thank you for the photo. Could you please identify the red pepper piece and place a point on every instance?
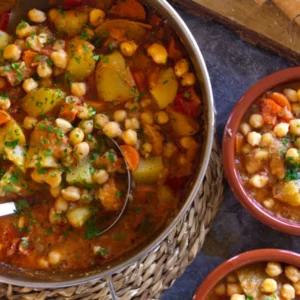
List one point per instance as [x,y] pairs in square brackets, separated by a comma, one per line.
[4,19]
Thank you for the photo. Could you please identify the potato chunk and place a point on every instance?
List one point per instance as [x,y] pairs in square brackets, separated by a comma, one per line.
[288,192]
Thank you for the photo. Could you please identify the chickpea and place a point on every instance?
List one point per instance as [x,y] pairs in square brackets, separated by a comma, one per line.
[147,118]
[232,278]
[292,273]
[24,30]
[36,42]
[253,166]
[63,124]
[87,126]
[86,197]
[100,176]
[246,149]
[266,139]
[245,129]
[128,48]
[161,117]
[90,34]
[20,44]
[21,222]
[273,269]
[253,138]
[29,85]
[76,136]
[83,112]
[72,100]
[238,297]
[78,89]
[281,129]
[297,287]
[59,45]
[291,95]
[12,52]
[81,151]
[101,120]
[112,129]
[261,154]
[158,53]
[132,123]
[287,291]
[55,192]
[145,103]
[233,288]
[133,107]
[269,204]
[146,149]
[37,16]
[53,178]
[44,70]
[2,83]
[29,122]
[293,155]
[57,71]
[295,127]
[256,121]
[119,116]
[187,142]
[220,289]
[39,178]
[259,181]
[188,79]
[130,137]
[169,149]
[61,205]
[4,103]
[97,17]
[60,60]
[269,286]
[43,263]
[54,257]
[71,193]
[181,67]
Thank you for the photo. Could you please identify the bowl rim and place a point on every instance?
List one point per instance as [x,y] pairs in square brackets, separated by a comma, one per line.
[228,146]
[182,30]
[238,261]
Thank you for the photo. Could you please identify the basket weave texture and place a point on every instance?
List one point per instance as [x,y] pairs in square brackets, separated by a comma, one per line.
[151,276]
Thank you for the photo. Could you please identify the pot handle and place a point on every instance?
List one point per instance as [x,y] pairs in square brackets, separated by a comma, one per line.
[112,290]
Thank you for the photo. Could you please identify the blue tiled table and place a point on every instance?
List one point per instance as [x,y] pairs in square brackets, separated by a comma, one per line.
[233,66]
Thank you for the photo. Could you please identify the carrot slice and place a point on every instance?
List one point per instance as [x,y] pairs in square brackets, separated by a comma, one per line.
[131,9]
[281,100]
[28,57]
[239,139]
[69,111]
[4,117]
[99,106]
[132,156]
[270,111]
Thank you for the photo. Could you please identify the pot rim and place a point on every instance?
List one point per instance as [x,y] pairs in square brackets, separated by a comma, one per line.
[241,260]
[179,26]
[231,172]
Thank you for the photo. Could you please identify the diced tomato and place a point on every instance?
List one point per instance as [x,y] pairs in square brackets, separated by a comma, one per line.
[185,104]
[4,19]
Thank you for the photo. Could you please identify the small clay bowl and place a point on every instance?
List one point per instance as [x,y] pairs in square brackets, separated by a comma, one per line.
[244,259]
[231,129]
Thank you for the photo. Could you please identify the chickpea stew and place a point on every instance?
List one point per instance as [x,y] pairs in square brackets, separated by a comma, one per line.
[268,152]
[261,281]
[69,79]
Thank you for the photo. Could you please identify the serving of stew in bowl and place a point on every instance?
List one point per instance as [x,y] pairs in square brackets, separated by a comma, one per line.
[266,274]
[261,146]
[71,79]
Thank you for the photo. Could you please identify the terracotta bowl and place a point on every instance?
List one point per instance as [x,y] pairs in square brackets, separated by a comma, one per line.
[232,174]
[247,258]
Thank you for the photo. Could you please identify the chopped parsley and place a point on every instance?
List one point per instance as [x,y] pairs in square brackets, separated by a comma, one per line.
[186,95]
[38,58]
[118,194]
[111,157]
[97,57]
[12,144]
[119,236]
[91,229]
[249,298]
[49,231]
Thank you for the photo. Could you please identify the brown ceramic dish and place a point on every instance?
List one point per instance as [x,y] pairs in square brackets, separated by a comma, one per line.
[242,260]
[231,170]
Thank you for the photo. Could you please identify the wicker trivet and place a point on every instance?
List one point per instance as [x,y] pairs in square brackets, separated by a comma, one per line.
[152,275]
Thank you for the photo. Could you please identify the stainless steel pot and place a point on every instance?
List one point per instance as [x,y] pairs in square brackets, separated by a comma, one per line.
[46,280]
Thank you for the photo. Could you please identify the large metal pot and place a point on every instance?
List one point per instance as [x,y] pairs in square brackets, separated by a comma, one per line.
[46,280]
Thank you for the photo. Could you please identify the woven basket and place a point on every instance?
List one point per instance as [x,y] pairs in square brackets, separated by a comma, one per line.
[156,272]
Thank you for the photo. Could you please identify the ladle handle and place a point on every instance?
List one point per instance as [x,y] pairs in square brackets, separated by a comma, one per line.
[112,290]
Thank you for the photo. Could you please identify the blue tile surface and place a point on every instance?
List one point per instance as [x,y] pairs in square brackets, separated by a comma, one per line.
[234,66]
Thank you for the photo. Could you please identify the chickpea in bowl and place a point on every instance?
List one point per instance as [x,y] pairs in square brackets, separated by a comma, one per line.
[265,274]
[261,145]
